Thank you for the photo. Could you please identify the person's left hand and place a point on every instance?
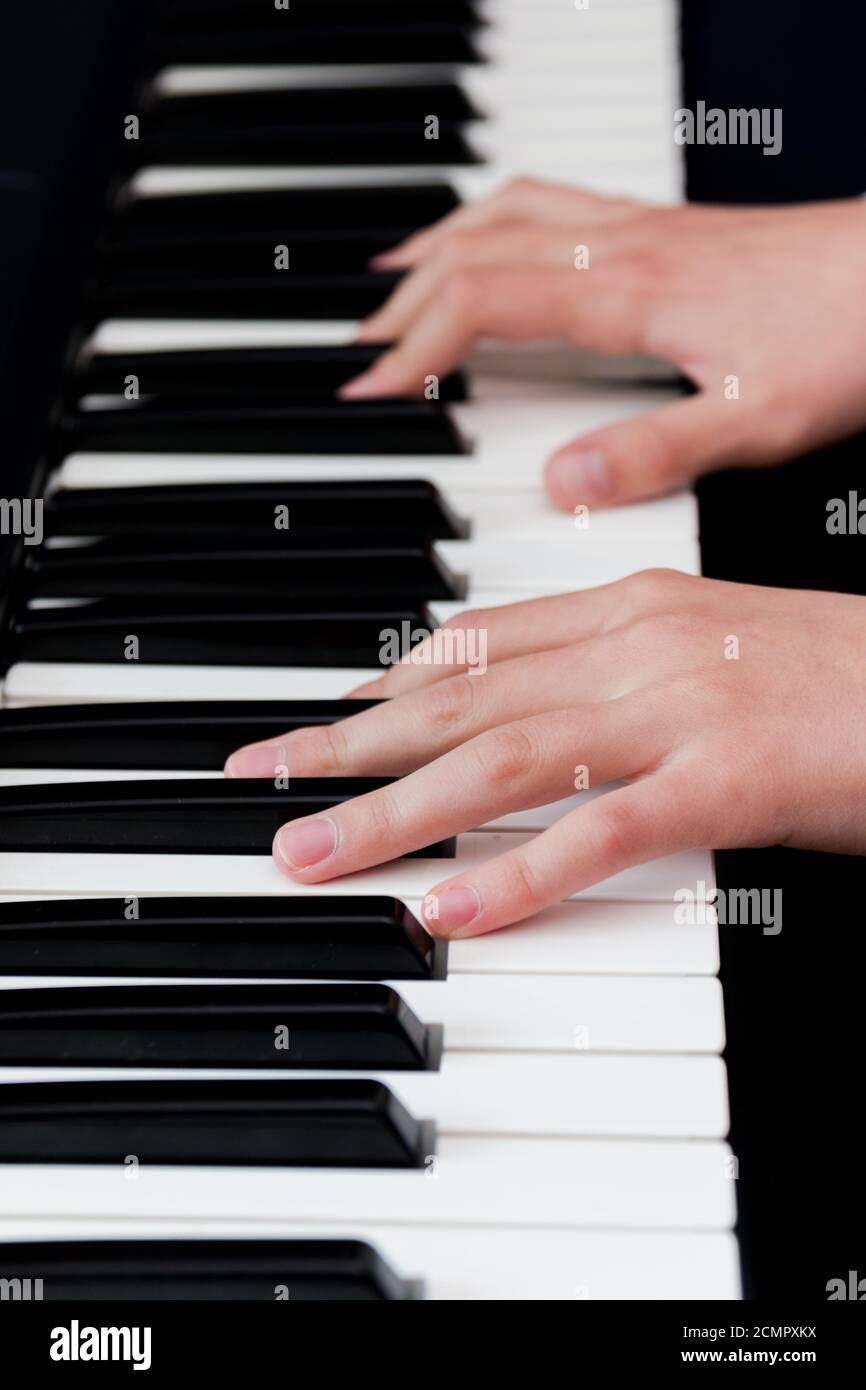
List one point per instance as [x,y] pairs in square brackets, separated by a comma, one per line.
[733,713]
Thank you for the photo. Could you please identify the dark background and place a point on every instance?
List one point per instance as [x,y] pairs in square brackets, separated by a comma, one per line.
[794,1002]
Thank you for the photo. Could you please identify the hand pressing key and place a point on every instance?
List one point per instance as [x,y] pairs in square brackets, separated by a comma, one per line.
[771,296]
[732,713]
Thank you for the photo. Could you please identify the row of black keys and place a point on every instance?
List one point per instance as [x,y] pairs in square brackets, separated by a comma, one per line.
[213,1270]
[281,1122]
[333,32]
[215,254]
[296,574]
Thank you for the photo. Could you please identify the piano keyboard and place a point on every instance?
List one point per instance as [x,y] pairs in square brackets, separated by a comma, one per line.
[540,1114]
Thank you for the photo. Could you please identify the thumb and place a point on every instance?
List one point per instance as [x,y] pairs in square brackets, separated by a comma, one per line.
[635,459]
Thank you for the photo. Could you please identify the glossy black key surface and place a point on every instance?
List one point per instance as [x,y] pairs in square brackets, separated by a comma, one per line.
[304,938]
[382,142]
[202,426]
[242,255]
[250,1123]
[193,816]
[186,14]
[218,634]
[303,108]
[406,509]
[286,1027]
[276,375]
[192,736]
[280,568]
[351,41]
[180,1270]
[271,294]
[274,214]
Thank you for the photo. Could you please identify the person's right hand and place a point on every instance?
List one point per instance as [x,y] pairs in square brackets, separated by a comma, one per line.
[762,309]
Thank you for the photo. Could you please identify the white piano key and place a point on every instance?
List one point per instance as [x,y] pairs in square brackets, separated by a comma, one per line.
[483,1013]
[595,937]
[123,875]
[518,1093]
[473,1263]
[476,1181]
[48,683]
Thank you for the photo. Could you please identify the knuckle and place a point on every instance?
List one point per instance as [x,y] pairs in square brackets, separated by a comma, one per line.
[619,831]
[671,629]
[471,618]
[323,746]
[449,704]
[382,821]
[460,291]
[655,588]
[507,756]
[520,887]
[519,187]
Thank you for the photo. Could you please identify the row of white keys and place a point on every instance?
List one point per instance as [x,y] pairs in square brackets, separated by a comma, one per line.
[476,1263]
[410,879]
[477,1181]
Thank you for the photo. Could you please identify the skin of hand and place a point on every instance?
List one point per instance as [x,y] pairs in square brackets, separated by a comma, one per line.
[771,297]
[705,698]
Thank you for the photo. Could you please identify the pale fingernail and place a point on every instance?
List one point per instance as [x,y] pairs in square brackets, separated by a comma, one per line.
[306,843]
[258,760]
[360,387]
[584,474]
[452,909]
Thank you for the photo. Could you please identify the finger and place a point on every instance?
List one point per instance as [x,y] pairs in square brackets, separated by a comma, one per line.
[526,763]
[518,246]
[523,199]
[648,455]
[399,735]
[487,636]
[657,815]
[603,311]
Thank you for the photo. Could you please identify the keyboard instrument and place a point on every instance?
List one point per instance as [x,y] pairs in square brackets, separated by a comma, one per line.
[540,1114]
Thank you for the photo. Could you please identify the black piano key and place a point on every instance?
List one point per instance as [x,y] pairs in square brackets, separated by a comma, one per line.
[238,255]
[193,736]
[312,510]
[186,14]
[220,634]
[250,1123]
[276,375]
[302,938]
[277,567]
[202,426]
[193,816]
[181,1270]
[276,294]
[304,108]
[382,142]
[274,215]
[272,38]
[342,1027]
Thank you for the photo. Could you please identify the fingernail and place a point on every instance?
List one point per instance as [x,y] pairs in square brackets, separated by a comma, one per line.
[585,474]
[306,843]
[359,387]
[258,760]
[452,909]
